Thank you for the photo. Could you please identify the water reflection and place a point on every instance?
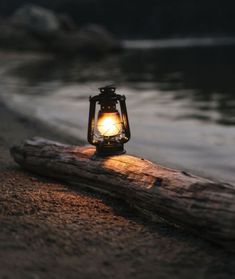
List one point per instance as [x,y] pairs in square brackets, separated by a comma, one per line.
[205,76]
[207,73]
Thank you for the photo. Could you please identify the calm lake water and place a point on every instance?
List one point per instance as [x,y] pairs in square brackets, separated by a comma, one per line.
[181,100]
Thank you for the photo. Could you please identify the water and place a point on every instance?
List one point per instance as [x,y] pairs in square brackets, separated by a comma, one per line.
[181,100]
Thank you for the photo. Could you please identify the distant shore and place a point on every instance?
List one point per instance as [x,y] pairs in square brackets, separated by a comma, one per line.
[184,42]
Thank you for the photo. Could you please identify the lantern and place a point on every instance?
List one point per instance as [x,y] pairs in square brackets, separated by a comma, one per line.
[108,129]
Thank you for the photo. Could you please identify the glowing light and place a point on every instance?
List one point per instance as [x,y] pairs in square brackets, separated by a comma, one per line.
[109,124]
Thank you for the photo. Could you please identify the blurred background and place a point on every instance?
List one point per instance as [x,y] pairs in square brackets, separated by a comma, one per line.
[143,19]
[174,60]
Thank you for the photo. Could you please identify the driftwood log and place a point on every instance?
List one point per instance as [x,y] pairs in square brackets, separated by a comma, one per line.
[198,204]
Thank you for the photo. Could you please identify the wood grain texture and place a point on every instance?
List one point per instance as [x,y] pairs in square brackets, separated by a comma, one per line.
[198,204]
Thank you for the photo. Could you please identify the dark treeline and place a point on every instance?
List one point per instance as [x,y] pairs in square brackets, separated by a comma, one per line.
[145,19]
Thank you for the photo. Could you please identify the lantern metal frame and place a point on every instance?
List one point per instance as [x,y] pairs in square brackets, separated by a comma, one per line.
[108,100]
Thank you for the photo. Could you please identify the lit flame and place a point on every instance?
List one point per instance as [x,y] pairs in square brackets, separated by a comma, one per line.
[109,124]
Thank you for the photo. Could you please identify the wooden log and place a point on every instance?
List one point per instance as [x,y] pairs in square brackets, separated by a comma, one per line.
[198,204]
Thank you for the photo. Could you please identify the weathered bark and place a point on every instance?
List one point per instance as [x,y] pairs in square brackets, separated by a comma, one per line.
[198,204]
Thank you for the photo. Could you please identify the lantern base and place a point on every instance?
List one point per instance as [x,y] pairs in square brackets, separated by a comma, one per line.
[105,149]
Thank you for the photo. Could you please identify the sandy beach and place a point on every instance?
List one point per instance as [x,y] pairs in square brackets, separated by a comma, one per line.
[52,230]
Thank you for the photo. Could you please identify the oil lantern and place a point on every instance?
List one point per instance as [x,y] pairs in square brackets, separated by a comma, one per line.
[108,129]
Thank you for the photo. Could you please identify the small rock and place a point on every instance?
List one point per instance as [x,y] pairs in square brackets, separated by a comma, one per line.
[35,28]
[99,37]
[36,19]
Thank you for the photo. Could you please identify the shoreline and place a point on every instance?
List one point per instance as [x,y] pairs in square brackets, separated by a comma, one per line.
[171,133]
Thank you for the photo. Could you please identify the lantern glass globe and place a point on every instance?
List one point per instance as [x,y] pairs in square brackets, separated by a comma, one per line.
[109,124]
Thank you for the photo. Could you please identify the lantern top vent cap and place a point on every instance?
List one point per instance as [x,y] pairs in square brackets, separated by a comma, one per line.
[109,89]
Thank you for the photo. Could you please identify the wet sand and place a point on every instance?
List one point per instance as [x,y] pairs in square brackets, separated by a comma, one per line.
[53,230]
